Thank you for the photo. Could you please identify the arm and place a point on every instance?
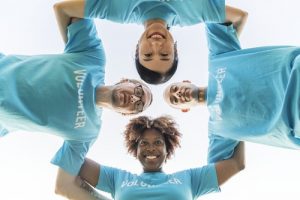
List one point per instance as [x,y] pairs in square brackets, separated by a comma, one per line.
[227,168]
[90,172]
[237,17]
[89,177]
[68,186]
[64,11]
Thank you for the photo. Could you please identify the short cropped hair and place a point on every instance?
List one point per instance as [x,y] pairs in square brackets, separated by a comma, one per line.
[164,124]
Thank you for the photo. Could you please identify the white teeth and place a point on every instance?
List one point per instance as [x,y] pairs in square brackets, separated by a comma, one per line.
[151,157]
[156,36]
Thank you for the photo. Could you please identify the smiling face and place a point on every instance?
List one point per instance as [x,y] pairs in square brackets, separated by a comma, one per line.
[156,48]
[131,97]
[151,150]
[181,95]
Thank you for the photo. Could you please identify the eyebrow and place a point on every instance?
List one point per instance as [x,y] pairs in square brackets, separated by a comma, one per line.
[163,59]
[144,95]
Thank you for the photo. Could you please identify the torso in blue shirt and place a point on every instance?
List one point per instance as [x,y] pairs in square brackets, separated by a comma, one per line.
[56,93]
[174,12]
[253,94]
[183,185]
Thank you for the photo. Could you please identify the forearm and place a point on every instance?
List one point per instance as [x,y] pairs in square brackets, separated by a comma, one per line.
[237,17]
[65,11]
[63,20]
[91,190]
[228,168]
[67,186]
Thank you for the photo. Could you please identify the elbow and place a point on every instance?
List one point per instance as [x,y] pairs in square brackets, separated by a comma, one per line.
[241,167]
[59,190]
[62,190]
[244,17]
[58,7]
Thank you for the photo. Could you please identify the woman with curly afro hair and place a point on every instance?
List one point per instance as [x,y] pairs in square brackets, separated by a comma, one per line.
[153,142]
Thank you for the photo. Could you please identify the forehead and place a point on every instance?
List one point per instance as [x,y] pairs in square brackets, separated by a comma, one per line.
[147,97]
[151,134]
[157,65]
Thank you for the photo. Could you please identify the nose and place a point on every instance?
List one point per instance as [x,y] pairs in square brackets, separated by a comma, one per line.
[156,45]
[134,98]
[151,147]
[177,93]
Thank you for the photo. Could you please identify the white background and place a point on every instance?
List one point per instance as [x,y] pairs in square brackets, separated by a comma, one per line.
[29,27]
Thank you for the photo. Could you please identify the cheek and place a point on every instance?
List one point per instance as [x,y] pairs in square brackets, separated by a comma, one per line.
[163,150]
[143,47]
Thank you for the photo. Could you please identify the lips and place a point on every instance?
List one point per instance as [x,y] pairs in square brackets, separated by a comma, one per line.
[151,157]
[186,94]
[124,98]
[156,35]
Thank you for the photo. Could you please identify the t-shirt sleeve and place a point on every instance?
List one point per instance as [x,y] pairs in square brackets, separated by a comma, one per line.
[83,36]
[113,10]
[196,11]
[107,179]
[71,156]
[220,148]
[204,180]
[221,38]
[126,11]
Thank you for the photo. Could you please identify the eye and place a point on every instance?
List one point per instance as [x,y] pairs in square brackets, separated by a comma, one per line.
[142,143]
[138,91]
[174,88]
[164,54]
[174,101]
[148,55]
[158,142]
[139,105]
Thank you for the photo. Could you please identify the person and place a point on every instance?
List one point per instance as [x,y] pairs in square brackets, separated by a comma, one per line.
[153,142]
[156,52]
[63,94]
[252,94]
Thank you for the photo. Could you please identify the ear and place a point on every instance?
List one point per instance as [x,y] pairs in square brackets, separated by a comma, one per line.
[185,110]
[186,81]
[124,114]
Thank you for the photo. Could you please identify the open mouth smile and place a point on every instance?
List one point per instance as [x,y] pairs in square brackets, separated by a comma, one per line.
[156,35]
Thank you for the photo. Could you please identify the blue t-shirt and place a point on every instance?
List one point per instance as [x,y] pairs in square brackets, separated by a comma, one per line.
[174,12]
[55,93]
[183,185]
[253,94]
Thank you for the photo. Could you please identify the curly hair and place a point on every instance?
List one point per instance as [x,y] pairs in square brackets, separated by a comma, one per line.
[164,124]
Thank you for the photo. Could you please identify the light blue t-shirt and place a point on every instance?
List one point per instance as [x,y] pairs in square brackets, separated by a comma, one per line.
[253,94]
[55,93]
[174,12]
[183,185]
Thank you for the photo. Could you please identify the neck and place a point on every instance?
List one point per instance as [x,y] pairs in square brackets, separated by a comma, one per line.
[202,95]
[153,21]
[154,171]
[104,96]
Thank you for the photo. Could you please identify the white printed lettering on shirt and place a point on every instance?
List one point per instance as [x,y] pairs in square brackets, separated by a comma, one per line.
[215,107]
[138,183]
[80,119]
